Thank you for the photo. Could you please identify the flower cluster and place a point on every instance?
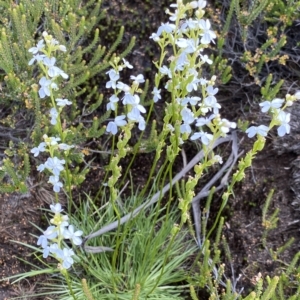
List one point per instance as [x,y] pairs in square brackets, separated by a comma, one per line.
[52,164]
[130,98]
[189,37]
[280,117]
[52,237]
[42,55]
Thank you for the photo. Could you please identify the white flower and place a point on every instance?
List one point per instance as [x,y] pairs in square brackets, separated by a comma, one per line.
[284,119]
[112,126]
[73,235]
[40,148]
[261,130]
[266,105]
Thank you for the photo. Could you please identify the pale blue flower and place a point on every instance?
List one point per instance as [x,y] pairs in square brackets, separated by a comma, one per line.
[63,102]
[53,115]
[261,130]
[185,128]
[51,140]
[40,46]
[207,35]
[49,234]
[165,71]
[154,36]
[55,165]
[138,79]
[66,256]
[45,87]
[112,126]
[284,119]
[57,185]
[41,167]
[137,104]
[54,71]
[73,235]
[142,123]
[189,45]
[182,61]
[57,209]
[65,147]
[40,148]
[226,125]
[192,85]
[128,99]
[204,136]
[38,57]
[111,104]
[206,59]
[134,114]
[127,64]
[62,48]
[114,76]
[156,94]
[123,87]
[190,23]
[198,4]
[204,121]
[165,27]
[187,115]
[275,103]
[192,100]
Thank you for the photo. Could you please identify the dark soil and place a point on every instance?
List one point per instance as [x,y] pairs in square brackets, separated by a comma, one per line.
[243,228]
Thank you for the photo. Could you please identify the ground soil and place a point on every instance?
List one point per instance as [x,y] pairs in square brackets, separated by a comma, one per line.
[243,228]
